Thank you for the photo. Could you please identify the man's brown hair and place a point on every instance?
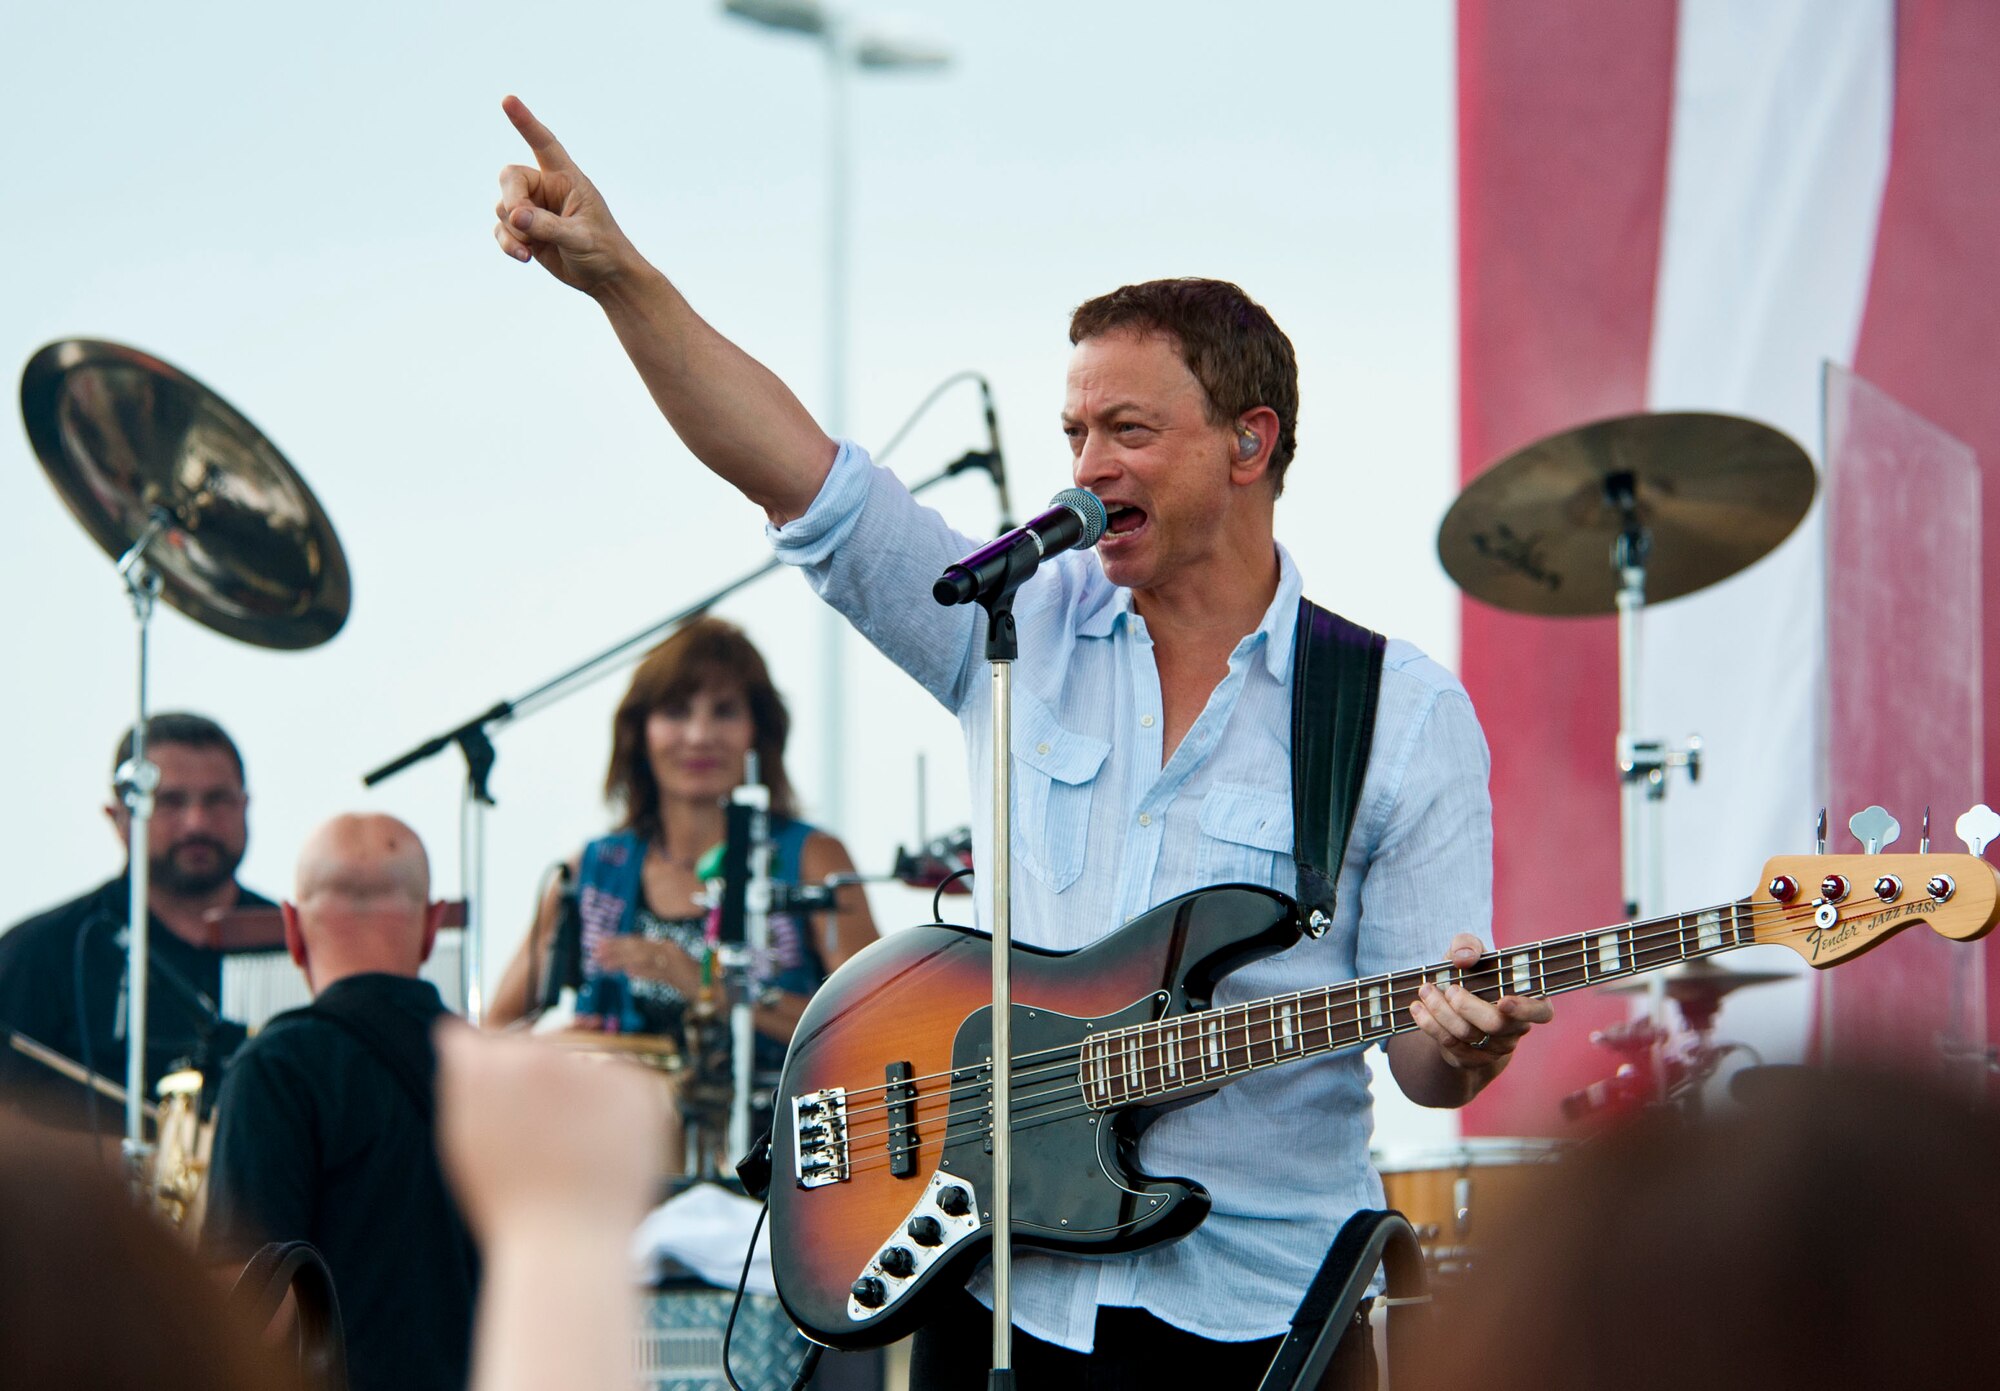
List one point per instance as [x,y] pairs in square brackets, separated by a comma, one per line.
[1232,346]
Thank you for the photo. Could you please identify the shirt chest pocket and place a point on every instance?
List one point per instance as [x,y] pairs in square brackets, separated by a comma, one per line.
[1246,837]
[1055,775]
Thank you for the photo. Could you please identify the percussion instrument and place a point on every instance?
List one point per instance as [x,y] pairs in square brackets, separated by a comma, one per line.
[193,504]
[131,442]
[182,1143]
[1713,493]
[1452,1194]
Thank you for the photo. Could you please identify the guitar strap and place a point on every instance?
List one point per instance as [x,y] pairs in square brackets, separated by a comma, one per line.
[1336,684]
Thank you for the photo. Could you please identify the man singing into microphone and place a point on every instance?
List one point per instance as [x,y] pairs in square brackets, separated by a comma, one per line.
[1152,745]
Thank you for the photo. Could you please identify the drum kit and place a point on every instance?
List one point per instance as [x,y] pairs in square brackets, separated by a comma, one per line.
[1607,518]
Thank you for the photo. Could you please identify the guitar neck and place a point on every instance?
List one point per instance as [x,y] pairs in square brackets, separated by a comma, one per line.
[1197,1052]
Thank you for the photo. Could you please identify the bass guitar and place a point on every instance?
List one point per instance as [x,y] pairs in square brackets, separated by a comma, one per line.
[881,1151]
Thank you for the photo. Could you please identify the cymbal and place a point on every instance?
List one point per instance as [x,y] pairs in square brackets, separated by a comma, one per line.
[1534,532]
[1699,980]
[248,552]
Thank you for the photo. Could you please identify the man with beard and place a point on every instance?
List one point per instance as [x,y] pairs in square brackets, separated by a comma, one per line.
[62,972]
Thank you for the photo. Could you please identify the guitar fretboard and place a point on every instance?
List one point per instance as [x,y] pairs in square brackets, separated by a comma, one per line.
[1150,1062]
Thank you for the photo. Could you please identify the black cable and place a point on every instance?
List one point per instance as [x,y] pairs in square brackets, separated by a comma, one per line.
[83,1025]
[742,1280]
[808,1365]
[968,375]
[937,899]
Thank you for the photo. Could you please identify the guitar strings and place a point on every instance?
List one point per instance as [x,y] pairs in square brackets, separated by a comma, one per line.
[1559,954]
[1031,1111]
[1556,951]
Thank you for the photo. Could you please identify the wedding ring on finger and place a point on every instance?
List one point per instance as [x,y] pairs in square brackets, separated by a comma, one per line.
[1479,1042]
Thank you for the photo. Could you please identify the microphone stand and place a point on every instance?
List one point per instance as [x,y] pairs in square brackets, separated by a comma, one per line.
[1002,647]
[755,945]
[473,738]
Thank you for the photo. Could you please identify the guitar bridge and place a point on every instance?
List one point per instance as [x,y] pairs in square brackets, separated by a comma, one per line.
[819,1137]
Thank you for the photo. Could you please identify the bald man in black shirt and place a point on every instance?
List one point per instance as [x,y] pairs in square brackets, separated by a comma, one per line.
[326,1127]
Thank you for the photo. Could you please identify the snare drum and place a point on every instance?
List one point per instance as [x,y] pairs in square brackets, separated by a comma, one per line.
[1453,1194]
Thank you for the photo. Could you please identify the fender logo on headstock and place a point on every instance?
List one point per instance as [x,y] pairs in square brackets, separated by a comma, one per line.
[1833,939]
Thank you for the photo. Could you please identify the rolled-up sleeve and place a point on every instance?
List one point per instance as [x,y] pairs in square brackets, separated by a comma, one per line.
[872,551]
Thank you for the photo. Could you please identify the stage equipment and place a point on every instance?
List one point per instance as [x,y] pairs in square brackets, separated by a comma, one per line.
[1453,1194]
[198,507]
[884,1193]
[988,577]
[1608,517]
[473,737]
[1075,519]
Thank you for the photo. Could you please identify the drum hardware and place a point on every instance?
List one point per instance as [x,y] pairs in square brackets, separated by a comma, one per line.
[183,1140]
[1452,1195]
[1677,501]
[935,862]
[1664,1066]
[75,1071]
[195,506]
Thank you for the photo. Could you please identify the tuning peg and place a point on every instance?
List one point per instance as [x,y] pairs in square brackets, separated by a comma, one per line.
[1924,840]
[1819,833]
[1874,828]
[1979,828]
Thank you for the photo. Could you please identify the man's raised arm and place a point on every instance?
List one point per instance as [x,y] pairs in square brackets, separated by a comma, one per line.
[727,408]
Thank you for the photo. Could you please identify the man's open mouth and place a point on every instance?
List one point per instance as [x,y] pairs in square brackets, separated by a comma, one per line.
[1123,519]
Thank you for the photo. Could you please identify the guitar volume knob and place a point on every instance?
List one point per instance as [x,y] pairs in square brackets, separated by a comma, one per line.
[869,1292]
[954,1201]
[900,1262]
[926,1231]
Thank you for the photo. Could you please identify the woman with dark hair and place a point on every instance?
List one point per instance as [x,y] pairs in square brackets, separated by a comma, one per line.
[697,705]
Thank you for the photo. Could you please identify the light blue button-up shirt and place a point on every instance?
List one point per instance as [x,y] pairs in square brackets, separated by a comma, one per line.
[1105,828]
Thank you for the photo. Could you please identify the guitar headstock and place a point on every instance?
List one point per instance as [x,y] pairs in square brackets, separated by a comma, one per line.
[1830,908]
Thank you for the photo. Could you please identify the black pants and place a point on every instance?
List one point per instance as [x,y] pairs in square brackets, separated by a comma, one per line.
[1134,1352]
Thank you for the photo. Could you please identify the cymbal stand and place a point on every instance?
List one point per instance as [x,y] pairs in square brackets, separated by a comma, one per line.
[1643,761]
[137,780]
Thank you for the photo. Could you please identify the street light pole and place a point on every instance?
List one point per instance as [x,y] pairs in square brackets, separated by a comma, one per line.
[846,48]
[833,628]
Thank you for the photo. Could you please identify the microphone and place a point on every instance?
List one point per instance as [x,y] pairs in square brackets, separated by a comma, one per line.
[994,464]
[563,963]
[1074,518]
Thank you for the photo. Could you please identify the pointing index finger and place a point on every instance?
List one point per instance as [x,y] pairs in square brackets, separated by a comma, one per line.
[549,152]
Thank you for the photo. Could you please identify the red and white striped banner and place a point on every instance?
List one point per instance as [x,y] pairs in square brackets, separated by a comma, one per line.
[1694,205]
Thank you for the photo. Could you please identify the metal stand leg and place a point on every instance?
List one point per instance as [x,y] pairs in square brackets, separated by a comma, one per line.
[138,779]
[1642,761]
[479,757]
[1003,1015]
